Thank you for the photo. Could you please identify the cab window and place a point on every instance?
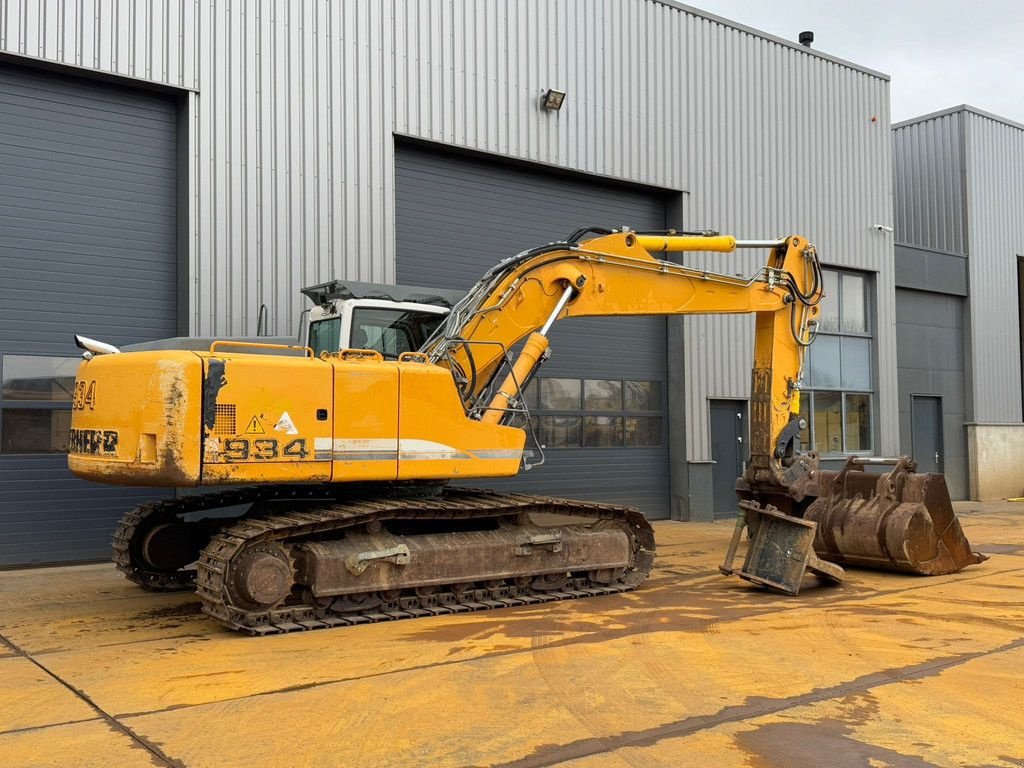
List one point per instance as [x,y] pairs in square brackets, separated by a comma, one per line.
[391,331]
[325,336]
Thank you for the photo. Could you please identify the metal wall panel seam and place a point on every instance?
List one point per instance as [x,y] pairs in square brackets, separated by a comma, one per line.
[250,113]
[384,257]
[30,22]
[320,212]
[199,301]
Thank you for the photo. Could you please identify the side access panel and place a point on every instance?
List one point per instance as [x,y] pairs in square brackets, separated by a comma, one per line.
[437,441]
[262,418]
[365,443]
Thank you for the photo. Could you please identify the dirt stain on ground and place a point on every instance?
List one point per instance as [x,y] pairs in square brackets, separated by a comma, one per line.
[169,616]
[803,745]
[598,619]
[181,611]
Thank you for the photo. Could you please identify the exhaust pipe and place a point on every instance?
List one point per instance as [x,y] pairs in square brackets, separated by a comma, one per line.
[93,347]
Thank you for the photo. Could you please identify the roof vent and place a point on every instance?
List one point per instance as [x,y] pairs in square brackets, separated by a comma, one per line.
[806,38]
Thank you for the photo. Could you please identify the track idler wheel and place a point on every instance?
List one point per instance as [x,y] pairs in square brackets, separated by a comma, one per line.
[263,576]
[153,546]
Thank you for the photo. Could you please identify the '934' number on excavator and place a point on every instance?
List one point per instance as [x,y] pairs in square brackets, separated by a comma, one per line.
[85,396]
[262,449]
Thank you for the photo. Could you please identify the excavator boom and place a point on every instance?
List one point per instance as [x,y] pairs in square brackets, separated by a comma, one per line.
[618,274]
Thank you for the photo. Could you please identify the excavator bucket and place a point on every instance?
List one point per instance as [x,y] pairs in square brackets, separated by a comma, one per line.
[896,521]
[780,550]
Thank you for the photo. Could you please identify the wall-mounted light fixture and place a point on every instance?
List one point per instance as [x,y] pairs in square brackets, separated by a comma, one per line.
[552,99]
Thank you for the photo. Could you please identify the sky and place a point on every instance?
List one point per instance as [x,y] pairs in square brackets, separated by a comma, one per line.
[939,53]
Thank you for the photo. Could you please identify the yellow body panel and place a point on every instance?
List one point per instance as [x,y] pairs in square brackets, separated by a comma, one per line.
[141,423]
[260,418]
[365,440]
[213,419]
[437,441]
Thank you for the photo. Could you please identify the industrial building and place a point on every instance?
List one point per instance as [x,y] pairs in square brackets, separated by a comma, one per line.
[959,231]
[173,166]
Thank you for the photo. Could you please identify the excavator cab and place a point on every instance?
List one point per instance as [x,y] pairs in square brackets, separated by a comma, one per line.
[389,319]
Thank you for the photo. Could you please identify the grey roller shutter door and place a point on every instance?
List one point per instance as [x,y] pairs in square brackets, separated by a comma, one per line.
[457,215]
[87,245]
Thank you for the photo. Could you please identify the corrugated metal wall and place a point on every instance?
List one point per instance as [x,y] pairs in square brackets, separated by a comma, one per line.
[995,222]
[928,184]
[292,167]
[781,142]
[147,39]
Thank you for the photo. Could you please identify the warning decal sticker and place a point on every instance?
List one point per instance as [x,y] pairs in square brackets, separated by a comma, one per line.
[286,425]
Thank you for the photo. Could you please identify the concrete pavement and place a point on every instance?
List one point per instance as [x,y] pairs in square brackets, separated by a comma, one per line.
[694,669]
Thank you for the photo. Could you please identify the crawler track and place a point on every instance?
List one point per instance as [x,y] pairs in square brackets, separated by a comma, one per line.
[309,521]
[291,514]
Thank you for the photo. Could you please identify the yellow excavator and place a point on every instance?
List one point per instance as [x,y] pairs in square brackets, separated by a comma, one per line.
[344,458]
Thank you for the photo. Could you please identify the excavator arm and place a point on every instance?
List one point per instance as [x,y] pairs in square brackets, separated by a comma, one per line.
[619,274]
[899,520]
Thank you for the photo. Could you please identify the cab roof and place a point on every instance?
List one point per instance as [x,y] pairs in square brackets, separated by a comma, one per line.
[344,290]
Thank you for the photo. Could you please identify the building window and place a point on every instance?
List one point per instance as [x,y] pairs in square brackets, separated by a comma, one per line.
[838,372]
[596,413]
[35,403]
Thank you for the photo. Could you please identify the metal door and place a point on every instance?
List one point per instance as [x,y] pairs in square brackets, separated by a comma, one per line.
[728,451]
[457,215]
[926,431]
[88,219]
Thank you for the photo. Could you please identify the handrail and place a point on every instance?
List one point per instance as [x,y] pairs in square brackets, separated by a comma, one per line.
[360,354]
[413,357]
